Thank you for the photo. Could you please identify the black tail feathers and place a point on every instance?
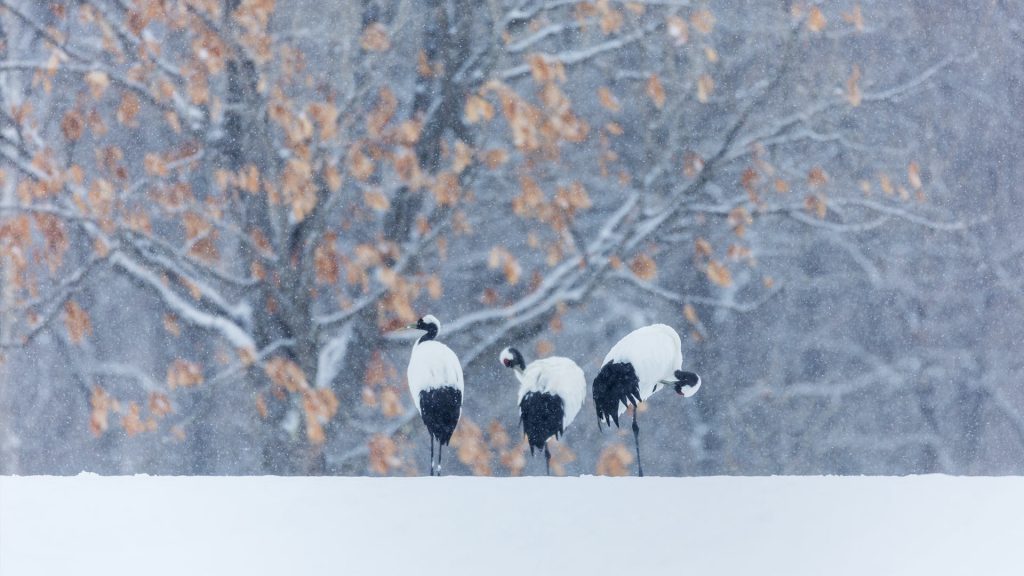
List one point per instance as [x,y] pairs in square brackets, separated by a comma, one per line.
[617,383]
[541,415]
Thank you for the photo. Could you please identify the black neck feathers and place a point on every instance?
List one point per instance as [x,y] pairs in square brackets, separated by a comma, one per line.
[429,327]
[517,359]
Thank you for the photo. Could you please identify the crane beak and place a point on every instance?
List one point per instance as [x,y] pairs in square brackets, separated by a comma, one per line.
[403,331]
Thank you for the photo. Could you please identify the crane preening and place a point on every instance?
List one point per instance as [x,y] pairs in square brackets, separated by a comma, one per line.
[435,382]
[551,393]
[644,361]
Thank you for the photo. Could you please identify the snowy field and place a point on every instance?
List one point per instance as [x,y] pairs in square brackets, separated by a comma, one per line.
[784,525]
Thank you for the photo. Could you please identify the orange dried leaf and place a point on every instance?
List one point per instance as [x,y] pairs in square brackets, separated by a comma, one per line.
[423,67]
[644,267]
[286,374]
[886,184]
[391,402]
[159,404]
[608,100]
[817,205]
[383,454]
[494,158]
[544,348]
[853,93]
[544,70]
[376,200]
[171,325]
[101,403]
[478,109]
[76,319]
[497,436]
[471,449]
[611,20]
[379,371]
[690,313]
[325,261]
[749,179]
[656,91]
[703,21]
[326,117]
[408,132]
[131,420]
[359,164]
[705,86]
[703,247]
[463,157]
[378,119]
[184,374]
[434,288]
[614,461]
[914,175]
[128,109]
[816,21]
[514,458]
[261,406]
[855,17]
[375,38]
[333,177]
[315,432]
[719,274]
[446,189]
[205,248]
[817,177]
[72,125]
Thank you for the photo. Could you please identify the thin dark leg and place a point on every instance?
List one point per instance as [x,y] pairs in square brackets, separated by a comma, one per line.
[547,460]
[440,448]
[636,437]
[431,454]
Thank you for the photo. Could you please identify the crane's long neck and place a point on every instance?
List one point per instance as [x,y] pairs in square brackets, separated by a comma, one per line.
[519,372]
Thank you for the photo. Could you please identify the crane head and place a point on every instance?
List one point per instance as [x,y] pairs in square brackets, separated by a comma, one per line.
[511,358]
[428,323]
[687,383]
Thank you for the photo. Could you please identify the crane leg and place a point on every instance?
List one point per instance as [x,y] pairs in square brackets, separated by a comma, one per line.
[636,438]
[547,459]
[431,454]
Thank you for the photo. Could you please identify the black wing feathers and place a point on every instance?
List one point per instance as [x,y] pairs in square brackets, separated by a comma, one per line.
[616,383]
[440,408]
[541,415]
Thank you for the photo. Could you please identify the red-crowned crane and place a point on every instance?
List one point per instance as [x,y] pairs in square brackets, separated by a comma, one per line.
[435,382]
[639,365]
[551,393]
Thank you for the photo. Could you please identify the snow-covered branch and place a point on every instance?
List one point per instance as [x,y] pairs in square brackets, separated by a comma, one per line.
[229,330]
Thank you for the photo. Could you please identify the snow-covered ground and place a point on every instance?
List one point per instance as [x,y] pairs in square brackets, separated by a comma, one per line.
[525,526]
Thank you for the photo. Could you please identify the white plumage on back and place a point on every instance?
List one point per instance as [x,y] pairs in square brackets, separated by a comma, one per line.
[558,376]
[433,365]
[655,352]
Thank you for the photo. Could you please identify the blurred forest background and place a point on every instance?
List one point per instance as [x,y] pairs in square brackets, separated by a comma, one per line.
[211,212]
